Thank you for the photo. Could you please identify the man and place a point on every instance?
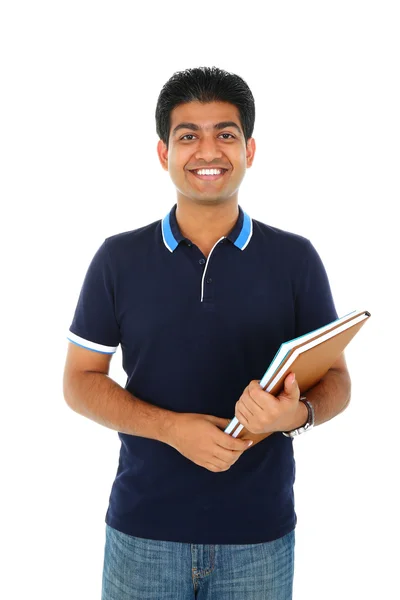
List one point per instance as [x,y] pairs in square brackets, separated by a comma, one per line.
[200,301]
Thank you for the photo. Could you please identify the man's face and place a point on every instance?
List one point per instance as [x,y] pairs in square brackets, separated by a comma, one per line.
[195,143]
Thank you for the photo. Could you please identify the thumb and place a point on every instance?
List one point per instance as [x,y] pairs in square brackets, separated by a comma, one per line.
[291,385]
[218,421]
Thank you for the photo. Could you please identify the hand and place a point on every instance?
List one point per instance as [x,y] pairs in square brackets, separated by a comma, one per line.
[261,412]
[201,439]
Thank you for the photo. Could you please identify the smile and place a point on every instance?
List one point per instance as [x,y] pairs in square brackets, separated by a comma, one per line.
[209,177]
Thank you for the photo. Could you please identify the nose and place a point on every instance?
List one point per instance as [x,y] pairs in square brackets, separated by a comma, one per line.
[207,149]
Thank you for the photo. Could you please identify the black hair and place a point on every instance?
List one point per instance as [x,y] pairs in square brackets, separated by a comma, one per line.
[204,84]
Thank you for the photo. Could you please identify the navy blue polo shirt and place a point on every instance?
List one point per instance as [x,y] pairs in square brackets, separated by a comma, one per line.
[194,331]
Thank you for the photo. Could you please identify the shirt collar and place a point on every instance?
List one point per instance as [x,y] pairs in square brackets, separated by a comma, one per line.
[240,234]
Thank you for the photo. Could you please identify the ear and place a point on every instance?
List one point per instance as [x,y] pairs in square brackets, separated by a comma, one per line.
[162,154]
[250,151]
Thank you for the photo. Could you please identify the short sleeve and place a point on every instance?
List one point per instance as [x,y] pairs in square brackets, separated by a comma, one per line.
[94,325]
[314,304]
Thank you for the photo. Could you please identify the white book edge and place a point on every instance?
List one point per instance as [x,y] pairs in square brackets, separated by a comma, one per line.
[295,354]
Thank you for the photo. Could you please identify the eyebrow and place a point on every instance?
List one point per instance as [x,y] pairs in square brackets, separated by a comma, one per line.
[217,126]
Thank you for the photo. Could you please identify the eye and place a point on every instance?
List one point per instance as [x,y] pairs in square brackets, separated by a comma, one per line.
[192,135]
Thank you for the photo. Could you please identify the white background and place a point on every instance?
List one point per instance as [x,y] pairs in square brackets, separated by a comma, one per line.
[80,81]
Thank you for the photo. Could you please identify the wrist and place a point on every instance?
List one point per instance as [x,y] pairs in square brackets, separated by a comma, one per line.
[169,427]
[300,417]
[309,424]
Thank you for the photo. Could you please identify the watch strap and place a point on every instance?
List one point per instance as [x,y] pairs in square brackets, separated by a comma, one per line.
[307,425]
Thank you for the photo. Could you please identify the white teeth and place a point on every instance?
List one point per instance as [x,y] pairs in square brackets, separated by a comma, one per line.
[209,172]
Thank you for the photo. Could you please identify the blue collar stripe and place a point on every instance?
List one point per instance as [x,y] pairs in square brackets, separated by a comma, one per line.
[246,233]
[169,239]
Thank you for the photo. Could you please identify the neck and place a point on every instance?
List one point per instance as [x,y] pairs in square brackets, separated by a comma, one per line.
[205,225]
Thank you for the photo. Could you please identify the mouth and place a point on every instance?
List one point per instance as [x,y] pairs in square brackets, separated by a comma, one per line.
[210,177]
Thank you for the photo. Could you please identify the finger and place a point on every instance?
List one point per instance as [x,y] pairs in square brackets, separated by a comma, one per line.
[291,387]
[211,467]
[220,462]
[220,422]
[255,389]
[223,423]
[259,398]
[226,458]
[232,444]
[248,405]
[253,385]
[241,417]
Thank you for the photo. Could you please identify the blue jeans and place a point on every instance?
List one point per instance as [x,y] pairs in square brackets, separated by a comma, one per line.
[141,569]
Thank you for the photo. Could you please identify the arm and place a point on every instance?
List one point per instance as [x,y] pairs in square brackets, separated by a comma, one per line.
[315,307]
[89,391]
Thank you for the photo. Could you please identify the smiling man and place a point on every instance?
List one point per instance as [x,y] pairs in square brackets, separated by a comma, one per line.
[207,157]
[200,301]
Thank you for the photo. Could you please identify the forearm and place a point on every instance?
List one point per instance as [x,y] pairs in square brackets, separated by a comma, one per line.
[99,398]
[330,396]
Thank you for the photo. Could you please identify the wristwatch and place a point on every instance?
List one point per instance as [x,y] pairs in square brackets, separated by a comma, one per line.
[309,423]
